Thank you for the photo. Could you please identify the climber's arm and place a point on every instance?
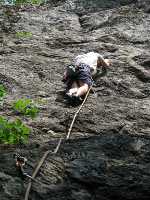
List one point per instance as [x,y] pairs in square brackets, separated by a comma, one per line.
[102,66]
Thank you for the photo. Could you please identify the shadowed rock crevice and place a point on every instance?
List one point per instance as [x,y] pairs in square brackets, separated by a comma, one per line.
[106,166]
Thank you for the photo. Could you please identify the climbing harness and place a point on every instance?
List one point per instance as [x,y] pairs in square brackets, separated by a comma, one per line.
[56,149]
[71,72]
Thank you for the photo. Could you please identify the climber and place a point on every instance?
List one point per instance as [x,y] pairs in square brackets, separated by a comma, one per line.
[78,77]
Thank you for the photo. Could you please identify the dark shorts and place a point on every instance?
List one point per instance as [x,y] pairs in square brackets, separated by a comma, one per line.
[85,74]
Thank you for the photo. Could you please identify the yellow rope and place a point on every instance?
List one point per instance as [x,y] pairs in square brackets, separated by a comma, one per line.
[74,118]
[56,149]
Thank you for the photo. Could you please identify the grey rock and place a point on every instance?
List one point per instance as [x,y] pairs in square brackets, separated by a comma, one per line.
[108,154]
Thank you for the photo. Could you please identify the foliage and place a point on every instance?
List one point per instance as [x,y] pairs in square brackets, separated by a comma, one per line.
[2,93]
[13,132]
[21,2]
[26,107]
[23,34]
[31,2]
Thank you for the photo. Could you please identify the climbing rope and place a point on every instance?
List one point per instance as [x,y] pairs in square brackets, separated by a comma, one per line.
[75,116]
[56,149]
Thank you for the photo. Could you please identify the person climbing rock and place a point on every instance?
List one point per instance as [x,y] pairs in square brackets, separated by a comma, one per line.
[78,76]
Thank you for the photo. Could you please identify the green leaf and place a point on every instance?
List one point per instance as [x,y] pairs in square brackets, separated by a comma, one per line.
[12,132]
[26,107]
[2,91]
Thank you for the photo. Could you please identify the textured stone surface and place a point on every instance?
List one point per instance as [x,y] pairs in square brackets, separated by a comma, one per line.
[108,155]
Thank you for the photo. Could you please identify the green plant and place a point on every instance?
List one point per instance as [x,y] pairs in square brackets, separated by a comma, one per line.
[21,2]
[23,34]
[2,93]
[28,2]
[26,107]
[13,132]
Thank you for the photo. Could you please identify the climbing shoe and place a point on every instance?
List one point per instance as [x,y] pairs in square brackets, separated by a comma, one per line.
[68,98]
[77,100]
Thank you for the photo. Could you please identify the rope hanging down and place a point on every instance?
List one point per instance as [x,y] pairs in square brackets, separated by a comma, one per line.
[56,149]
[75,116]
[38,167]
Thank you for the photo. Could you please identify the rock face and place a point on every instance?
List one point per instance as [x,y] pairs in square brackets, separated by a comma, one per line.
[107,156]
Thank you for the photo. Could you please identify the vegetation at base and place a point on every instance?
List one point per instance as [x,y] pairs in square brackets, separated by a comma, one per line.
[26,107]
[13,132]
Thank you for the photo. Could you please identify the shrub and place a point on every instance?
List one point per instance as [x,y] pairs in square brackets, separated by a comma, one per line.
[13,132]
[26,107]
[21,2]
[23,34]
[2,93]
[31,2]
